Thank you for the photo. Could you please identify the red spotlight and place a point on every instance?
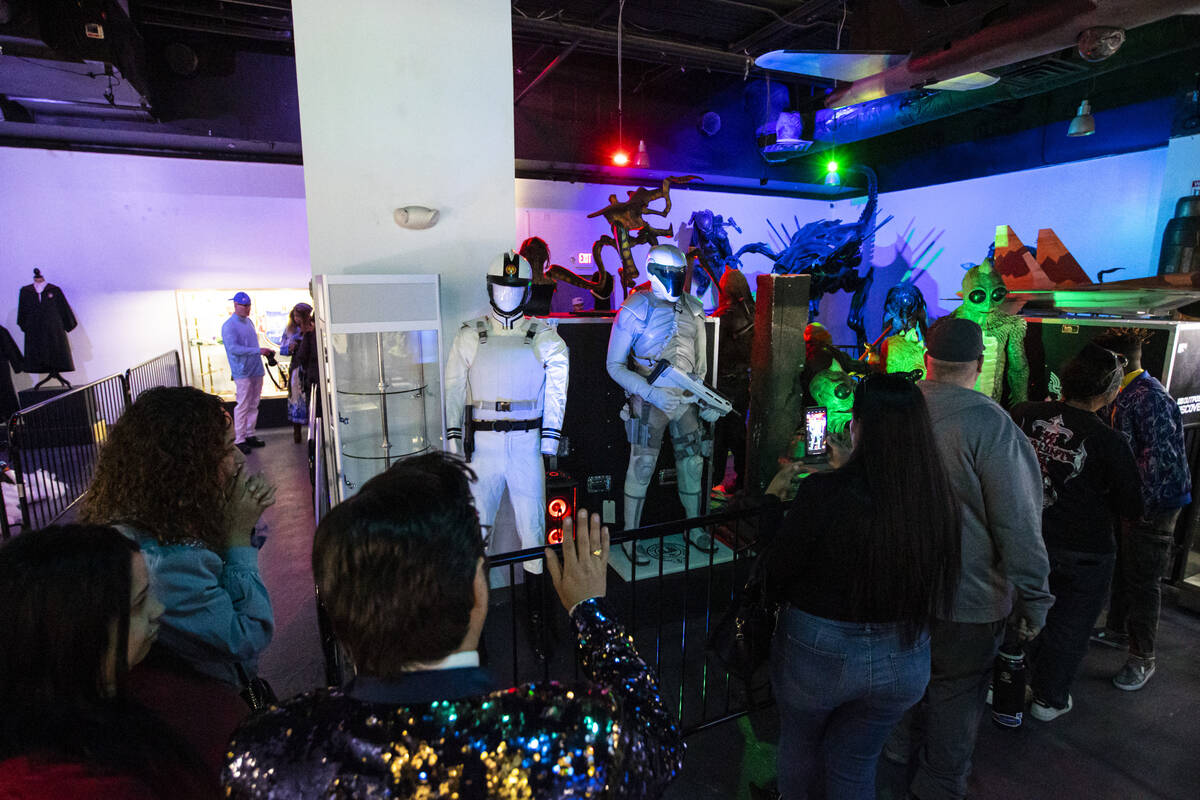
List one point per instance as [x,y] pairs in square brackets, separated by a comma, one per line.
[621,158]
[554,536]
[558,508]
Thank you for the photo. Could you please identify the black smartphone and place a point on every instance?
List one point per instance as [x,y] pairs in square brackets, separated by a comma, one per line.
[816,430]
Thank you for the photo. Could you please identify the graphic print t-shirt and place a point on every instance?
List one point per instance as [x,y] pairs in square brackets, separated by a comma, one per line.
[1089,477]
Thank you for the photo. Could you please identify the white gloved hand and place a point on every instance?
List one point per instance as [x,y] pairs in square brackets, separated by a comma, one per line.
[665,398]
[454,447]
[710,414]
[549,446]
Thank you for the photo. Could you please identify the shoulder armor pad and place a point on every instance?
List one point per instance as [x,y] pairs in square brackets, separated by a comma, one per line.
[638,305]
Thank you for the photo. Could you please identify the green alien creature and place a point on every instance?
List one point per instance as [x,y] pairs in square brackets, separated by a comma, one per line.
[834,389]
[1004,361]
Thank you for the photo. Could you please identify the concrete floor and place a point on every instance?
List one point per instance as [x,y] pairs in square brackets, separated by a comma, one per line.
[1112,745]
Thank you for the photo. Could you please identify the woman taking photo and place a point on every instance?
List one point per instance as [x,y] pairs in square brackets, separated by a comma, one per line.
[866,556]
[78,613]
[170,477]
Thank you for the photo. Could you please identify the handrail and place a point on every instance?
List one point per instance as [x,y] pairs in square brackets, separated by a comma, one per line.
[58,397]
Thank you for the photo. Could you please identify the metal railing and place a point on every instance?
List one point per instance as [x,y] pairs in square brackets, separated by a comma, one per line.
[164,370]
[669,611]
[54,444]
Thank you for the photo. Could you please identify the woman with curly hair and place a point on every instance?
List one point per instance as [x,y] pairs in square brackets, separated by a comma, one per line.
[171,478]
[79,613]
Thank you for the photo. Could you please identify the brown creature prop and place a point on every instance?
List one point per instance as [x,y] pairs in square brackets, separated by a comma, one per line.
[630,228]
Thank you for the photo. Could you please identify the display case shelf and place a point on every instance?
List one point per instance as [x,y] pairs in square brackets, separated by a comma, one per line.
[381,367]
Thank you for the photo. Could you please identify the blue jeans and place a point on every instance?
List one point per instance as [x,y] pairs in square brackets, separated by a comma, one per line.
[1079,583]
[840,688]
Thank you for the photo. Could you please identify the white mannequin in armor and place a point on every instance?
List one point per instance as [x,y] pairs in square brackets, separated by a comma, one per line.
[506,388]
[663,323]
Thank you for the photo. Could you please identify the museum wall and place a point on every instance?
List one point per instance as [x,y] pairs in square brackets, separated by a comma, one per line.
[1104,210]
[408,104]
[1181,170]
[120,233]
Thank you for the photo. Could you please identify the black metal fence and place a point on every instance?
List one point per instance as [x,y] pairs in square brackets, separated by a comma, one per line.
[54,445]
[669,608]
[164,370]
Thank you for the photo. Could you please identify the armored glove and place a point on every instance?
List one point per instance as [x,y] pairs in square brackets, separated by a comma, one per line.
[710,414]
[665,398]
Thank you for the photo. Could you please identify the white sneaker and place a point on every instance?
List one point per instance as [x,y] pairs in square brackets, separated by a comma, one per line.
[1046,713]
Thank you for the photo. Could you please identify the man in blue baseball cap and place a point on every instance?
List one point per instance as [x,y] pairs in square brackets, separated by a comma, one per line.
[245,364]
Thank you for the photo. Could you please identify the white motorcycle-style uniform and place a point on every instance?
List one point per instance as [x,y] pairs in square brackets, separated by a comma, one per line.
[513,375]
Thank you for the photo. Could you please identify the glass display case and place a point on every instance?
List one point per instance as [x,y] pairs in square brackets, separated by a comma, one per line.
[381,372]
[201,315]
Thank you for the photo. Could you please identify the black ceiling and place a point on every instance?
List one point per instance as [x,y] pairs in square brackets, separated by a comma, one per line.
[217,78]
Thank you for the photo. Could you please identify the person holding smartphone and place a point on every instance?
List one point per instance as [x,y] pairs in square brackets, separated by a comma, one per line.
[865,558]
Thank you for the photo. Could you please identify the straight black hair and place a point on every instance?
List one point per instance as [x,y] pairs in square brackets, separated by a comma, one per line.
[64,591]
[396,564]
[910,563]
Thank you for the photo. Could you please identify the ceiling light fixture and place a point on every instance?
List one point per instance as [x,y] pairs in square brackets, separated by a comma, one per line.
[832,178]
[1083,124]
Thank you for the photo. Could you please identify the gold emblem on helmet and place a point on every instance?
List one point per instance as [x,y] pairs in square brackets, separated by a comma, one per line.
[510,267]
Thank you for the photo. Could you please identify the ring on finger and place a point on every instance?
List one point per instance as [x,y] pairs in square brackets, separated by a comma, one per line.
[597,552]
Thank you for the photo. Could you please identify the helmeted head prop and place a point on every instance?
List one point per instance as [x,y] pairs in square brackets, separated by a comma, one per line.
[904,309]
[704,221]
[666,266]
[509,278]
[983,290]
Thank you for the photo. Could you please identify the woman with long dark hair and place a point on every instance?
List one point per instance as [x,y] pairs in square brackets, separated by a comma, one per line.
[78,613]
[300,322]
[867,555]
[171,477]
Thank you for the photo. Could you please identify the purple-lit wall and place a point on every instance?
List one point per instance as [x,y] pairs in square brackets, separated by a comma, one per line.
[1103,210]
[120,233]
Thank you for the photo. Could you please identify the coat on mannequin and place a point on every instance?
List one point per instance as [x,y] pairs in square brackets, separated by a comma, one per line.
[662,322]
[45,317]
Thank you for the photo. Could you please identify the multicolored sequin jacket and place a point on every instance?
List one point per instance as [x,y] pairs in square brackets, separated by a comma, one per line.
[614,739]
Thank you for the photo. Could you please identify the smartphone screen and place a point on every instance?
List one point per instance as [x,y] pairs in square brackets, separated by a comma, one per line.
[815,429]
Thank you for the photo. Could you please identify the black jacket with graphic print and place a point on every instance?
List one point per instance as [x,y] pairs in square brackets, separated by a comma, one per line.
[1089,477]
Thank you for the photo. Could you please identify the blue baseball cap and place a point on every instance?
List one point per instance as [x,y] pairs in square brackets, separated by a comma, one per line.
[241,298]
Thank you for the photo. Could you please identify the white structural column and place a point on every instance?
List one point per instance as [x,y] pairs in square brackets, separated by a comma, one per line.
[408,103]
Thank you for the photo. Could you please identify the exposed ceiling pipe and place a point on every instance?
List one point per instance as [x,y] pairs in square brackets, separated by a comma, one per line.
[637,46]
[558,59]
[26,134]
[837,127]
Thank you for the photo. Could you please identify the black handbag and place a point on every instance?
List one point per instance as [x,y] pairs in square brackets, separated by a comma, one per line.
[741,639]
[257,693]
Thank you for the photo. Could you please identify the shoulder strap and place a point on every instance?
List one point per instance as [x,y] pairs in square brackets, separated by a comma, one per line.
[481,329]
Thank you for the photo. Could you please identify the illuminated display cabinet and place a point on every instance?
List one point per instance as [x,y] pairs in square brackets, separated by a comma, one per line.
[381,373]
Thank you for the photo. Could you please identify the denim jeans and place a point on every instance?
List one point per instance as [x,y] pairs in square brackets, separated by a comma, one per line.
[961,658]
[840,688]
[1142,552]
[1079,583]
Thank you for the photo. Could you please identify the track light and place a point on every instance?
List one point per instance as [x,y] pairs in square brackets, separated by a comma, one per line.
[1083,124]
[831,174]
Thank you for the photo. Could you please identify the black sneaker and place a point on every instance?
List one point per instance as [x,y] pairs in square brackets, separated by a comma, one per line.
[254,441]
[244,447]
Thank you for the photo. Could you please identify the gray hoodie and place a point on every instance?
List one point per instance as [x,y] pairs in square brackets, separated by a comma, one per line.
[997,480]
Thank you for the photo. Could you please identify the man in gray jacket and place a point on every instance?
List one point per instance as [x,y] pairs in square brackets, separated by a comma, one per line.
[998,483]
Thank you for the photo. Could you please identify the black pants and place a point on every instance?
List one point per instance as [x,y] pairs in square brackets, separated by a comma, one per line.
[1142,552]
[729,434]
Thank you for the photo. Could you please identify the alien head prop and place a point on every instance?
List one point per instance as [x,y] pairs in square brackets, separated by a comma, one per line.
[983,292]
[904,310]
[834,389]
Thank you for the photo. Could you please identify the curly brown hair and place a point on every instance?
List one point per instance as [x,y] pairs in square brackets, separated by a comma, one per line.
[160,468]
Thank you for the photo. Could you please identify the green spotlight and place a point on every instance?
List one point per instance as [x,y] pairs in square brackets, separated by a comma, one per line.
[832,166]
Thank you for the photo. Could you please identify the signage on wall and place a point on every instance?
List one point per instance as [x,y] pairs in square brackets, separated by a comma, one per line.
[584,258]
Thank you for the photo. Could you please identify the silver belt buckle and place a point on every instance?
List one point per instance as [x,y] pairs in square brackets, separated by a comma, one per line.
[503,405]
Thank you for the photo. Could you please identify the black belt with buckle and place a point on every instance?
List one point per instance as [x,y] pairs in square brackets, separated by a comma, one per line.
[506,425]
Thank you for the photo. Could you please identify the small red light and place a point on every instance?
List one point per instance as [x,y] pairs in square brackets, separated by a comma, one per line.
[558,508]
[621,158]
[554,536]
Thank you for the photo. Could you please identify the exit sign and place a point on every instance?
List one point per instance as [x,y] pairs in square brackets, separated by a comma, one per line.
[586,258]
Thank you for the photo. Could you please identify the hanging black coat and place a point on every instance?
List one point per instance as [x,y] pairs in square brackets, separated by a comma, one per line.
[45,319]
[10,355]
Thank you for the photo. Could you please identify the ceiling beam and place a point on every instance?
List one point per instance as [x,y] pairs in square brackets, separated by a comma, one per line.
[635,45]
[799,18]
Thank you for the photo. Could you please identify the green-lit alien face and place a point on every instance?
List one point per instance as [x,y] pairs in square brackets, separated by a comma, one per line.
[834,389]
[983,291]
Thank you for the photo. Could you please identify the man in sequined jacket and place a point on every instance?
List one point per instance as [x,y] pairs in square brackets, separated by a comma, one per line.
[400,567]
